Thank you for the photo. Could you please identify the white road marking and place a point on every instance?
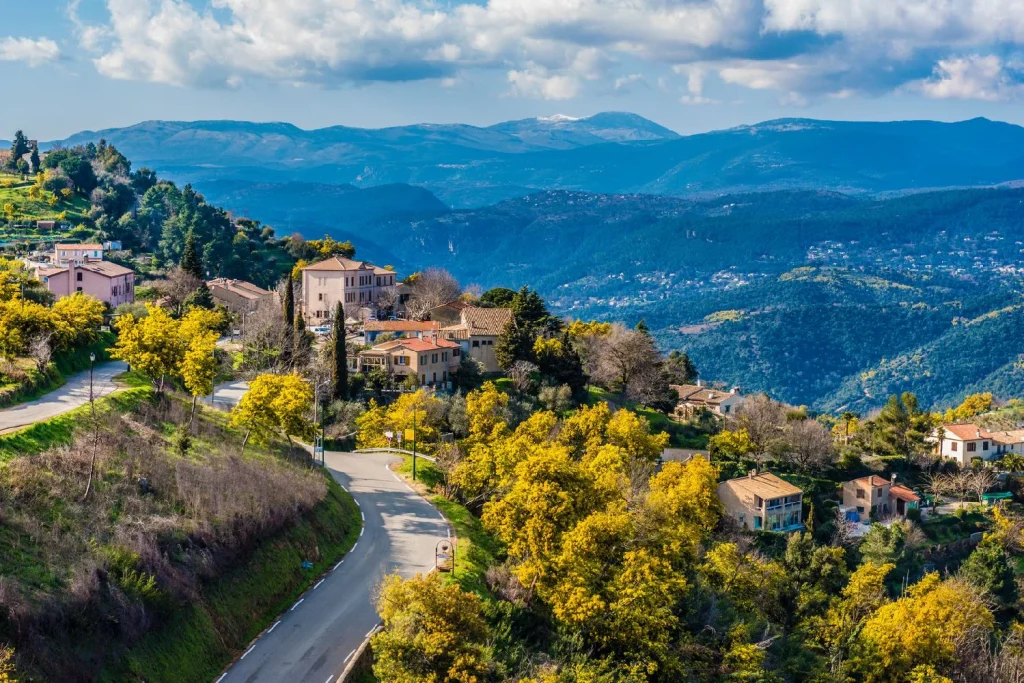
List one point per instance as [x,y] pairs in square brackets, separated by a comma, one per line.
[349,657]
[318,583]
[338,565]
[222,677]
[361,533]
[273,627]
[449,532]
[396,477]
[297,604]
[370,632]
[330,678]
[247,652]
[362,515]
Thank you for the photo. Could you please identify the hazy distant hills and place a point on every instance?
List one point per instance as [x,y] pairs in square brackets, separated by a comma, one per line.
[468,166]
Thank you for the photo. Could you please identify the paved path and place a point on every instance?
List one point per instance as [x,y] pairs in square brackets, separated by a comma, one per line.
[314,639]
[73,394]
[226,396]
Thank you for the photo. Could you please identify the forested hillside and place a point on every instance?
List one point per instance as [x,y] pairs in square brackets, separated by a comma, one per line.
[794,293]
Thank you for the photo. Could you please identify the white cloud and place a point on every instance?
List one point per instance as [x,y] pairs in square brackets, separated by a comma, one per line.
[974,78]
[626,83]
[553,48]
[535,82]
[34,52]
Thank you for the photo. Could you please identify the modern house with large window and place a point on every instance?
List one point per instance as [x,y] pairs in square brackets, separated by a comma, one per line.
[763,502]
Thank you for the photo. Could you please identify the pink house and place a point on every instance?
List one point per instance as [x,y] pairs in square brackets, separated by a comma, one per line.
[110,283]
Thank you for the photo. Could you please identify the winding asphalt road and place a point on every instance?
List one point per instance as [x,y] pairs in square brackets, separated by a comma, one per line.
[315,638]
[74,393]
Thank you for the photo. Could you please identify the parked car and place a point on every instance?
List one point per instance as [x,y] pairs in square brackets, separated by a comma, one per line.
[320,329]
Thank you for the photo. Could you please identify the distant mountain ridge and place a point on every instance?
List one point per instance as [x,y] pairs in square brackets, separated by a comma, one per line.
[612,152]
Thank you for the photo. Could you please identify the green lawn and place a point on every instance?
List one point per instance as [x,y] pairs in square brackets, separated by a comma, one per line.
[31,210]
[948,528]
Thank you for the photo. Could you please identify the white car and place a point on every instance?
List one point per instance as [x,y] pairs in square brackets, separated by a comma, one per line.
[321,329]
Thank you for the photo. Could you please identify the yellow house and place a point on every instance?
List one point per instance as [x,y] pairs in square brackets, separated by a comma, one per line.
[477,331]
[432,362]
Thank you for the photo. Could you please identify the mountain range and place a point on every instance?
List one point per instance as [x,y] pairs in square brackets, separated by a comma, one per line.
[469,166]
[827,263]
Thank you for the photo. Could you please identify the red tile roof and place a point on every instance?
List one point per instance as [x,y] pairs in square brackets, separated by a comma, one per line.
[417,345]
[401,326]
[904,494]
[967,432]
[873,480]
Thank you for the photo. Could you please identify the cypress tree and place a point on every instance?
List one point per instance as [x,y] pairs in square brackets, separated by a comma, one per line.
[340,354]
[34,159]
[191,262]
[287,353]
[289,303]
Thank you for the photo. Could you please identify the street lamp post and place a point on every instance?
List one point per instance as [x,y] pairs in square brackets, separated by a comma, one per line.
[95,430]
[318,440]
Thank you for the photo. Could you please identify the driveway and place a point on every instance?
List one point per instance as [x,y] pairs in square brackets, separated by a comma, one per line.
[314,639]
[73,394]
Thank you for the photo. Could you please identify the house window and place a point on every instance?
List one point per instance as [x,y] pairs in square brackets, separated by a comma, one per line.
[78,277]
[78,289]
[725,409]
[860,493]
[984,445]
[423,361]
[433,358]
[757,521]
[860,509]
[320,296]
[878,492]
[444,356]
[476,343]
[953,446]
[971,447]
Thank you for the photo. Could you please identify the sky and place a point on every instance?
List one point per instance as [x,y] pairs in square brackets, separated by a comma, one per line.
[691,65]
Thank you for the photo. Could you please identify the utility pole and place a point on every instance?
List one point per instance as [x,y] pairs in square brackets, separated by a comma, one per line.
[95,429]
[414,408]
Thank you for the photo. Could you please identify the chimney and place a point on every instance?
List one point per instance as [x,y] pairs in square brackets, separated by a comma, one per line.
[700,383]
[735,390]
[752,473]
[979,433]
[892,479]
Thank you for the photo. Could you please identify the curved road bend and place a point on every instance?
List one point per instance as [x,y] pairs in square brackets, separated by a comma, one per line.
[313,640]
[72,394]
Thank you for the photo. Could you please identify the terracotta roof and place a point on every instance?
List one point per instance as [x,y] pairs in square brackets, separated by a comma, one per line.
[340,263]
[904,494]
[106,268]
[90,247]
[482,321]
[1009,438]
[50,272]
[240,287]
[690,393]
[417,345]
[765,485]
[401,326]
[873,480]
[967,432]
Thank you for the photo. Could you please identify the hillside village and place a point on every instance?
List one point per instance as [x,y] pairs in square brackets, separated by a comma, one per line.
[604,488]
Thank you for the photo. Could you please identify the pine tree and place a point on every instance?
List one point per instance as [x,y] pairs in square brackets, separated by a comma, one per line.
[19,148]
[191,262]
[340,355]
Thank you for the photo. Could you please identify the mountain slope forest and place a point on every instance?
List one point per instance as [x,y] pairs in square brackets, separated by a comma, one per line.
[814,297]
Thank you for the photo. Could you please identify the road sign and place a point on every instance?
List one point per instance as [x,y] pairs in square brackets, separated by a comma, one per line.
[410,435]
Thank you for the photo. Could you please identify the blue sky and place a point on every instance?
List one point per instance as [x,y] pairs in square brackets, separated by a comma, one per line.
[692,65]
